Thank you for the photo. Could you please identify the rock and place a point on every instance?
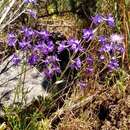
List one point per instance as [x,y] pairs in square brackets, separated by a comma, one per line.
[19,88]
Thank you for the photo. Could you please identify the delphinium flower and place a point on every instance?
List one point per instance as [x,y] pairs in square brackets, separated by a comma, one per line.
[33,59]
[51,59]
[43,34]
[28,32]
[90,63]
[51,70]
[32,13]
[50,46]
[101,58]
[44,48]
[116,38]
[11,39]
[88,34]
[51,64]
[74,45]
[114,46]
[89,69]
[113,64]
[56,69]
[62,46]
[102,39]
[41,48]
[24,45]
[97,19]
[15,59]
[82,84]
[89,60]
[118,48]
[76,64]
[30,1]
[117,43]
[110,20]
[106,48]
[48,72]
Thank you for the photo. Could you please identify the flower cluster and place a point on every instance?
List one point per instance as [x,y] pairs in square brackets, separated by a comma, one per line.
[88,54]
[98,19]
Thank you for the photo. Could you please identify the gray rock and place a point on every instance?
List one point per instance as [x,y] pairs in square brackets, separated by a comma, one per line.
[18,86]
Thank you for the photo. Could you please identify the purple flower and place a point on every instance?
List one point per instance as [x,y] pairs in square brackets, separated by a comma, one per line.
[89,59]
[51,59]
[102,40]
[11,40]
[89,70]
[76,64]
[43,34]
[106,48]
[48,72]
[51,70]
[88,34]
[56,69]
[32,13]
[28,32]
[50,46]
[83,84]
[30,1]
[97,19]
[74,45]
[38,48]
[32,60]
[113,64]
[42,48]
[118,48]
[62,46]
[116,38]
[102,58]
[15,59]
[45,50]
[110,21]
[24,45]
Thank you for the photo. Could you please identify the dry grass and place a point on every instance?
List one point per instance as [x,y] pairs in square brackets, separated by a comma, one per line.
[109,110]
